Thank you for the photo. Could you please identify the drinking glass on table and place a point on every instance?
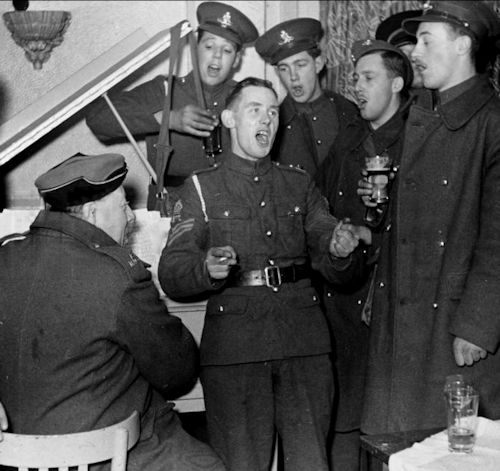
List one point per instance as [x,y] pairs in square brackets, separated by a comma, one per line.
[462,402]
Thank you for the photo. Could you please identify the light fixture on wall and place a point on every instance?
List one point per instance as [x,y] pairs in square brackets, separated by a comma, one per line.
[37,32]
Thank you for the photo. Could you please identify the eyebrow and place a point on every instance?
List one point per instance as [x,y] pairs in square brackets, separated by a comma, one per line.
[254,103]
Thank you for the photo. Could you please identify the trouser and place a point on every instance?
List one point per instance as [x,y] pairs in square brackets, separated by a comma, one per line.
[346,451]
[247,403]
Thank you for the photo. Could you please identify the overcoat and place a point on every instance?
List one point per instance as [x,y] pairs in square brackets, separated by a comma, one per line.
[439,269]
[338,180]
[86,341]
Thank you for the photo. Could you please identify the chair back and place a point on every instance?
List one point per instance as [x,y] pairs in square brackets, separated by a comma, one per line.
[72,449]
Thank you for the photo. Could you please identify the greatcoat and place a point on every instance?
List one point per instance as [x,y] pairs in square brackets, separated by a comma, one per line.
[439,270]
[86,341]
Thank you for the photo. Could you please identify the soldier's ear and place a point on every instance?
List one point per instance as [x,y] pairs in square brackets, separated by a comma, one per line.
[88,212]
[397,84]
[227,118]
[237,60]
[319,63]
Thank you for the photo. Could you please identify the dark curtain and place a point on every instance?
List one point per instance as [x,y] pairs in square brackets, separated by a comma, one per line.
[346,21]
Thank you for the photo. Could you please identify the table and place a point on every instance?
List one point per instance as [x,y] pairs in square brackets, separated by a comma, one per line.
[377,448]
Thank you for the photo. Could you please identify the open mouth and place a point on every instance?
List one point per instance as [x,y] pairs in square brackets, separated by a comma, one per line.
[262,138]
[213,69]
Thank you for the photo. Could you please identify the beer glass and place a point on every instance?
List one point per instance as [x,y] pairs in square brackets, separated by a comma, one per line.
[378,168]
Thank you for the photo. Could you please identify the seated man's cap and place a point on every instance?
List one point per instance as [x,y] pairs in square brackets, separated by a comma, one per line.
[227,22]
[391,30]
[81,178]
[289,38]
[475,16]
[365,46]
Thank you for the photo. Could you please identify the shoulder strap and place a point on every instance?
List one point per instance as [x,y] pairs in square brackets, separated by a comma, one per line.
[163,144]
[196,72]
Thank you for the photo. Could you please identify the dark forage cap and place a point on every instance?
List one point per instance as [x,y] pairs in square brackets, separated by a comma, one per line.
[475,16]
[81,178]
[391,29]
[289,38]
[227,22]
[365,46]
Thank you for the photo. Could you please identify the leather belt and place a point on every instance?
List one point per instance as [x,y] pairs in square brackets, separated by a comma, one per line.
[272,276]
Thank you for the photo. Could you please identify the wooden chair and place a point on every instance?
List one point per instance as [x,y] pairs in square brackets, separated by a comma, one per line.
[73,449]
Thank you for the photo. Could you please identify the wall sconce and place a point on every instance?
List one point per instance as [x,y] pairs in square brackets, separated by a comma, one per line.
[37,32]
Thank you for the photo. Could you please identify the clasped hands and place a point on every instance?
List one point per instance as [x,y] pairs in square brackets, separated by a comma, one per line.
[346,237]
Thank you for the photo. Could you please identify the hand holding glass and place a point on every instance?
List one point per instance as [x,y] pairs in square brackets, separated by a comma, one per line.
[378,168]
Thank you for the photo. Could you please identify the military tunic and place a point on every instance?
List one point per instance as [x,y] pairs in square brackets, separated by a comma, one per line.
[86,341]
[137,108]
[270,214]
[307,130]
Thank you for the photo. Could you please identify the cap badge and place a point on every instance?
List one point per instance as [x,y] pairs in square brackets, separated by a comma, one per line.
[225,21]
[285,38]
[366,42]
[427,6]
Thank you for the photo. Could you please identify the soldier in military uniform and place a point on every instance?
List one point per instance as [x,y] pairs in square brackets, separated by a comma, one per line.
[247,234]
[222,33]
[85,338]
[435,299]
[310,117]
[382,78]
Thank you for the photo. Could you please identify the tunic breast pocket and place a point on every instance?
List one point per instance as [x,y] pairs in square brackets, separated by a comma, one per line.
[291,226]
[229,225]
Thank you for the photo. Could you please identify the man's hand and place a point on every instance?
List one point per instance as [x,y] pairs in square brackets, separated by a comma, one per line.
[365,187]
[345,239]
[467,353]
[191,119]
[3,420]
[219,261]
[365,190]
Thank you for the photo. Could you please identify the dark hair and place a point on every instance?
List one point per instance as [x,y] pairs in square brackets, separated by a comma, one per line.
[397,66]
[247,82]
[238,47]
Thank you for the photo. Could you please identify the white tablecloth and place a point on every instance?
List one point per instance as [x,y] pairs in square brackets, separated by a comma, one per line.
[432,453]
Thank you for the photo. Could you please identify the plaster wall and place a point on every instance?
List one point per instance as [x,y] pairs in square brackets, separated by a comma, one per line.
[95,27]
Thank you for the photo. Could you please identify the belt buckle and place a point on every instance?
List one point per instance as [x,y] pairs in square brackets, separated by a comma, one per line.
[273,276]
